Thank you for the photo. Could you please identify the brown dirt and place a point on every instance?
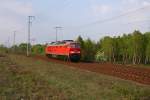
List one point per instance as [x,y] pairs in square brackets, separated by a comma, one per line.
[140,75]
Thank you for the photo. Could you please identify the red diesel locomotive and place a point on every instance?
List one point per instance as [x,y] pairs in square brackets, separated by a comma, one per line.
[65,48]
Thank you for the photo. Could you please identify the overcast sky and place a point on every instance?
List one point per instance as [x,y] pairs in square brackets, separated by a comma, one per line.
[77,17]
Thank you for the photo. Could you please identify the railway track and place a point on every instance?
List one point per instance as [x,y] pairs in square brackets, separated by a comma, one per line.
[140,75]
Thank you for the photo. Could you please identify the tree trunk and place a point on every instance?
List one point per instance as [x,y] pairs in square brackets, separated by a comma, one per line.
[134,60]
[145,60]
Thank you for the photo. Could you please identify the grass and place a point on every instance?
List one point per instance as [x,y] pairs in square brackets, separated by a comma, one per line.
[17,82]
[36,79]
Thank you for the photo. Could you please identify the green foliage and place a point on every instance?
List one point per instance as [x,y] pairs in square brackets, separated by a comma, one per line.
[107,47]
[130,48]
[137,39]
[22,48]
[38,49]
[3,49]
[100,57]
[89,50]
[81,42]
[147,48]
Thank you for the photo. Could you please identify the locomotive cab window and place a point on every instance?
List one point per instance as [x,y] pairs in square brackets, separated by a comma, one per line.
[74,45]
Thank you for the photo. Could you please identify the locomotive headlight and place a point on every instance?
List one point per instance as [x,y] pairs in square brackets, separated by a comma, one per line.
[78,51]
[74,51]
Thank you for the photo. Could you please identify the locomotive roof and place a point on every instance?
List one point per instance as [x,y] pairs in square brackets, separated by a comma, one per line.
[62,42]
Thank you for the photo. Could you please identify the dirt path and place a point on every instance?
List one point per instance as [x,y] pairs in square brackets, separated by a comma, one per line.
[140,75]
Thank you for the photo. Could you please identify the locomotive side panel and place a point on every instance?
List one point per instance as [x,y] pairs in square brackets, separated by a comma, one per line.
[71,50]
[57,50]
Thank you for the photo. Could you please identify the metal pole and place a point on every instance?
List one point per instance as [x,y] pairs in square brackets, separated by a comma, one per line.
[14,40]
[28,36]
[57,32]
[29,30]
[8,42]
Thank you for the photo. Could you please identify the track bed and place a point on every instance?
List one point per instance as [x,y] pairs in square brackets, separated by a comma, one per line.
[140,75]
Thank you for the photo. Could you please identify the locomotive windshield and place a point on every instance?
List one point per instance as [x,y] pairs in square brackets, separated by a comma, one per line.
[74,45]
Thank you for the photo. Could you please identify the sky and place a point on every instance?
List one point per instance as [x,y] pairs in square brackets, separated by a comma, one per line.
[89,18]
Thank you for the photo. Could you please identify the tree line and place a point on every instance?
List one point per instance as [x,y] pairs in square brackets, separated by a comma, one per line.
[133,48]
[22,49]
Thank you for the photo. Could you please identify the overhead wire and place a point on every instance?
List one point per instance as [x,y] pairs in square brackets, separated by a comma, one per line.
[115,17]
[139,21]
